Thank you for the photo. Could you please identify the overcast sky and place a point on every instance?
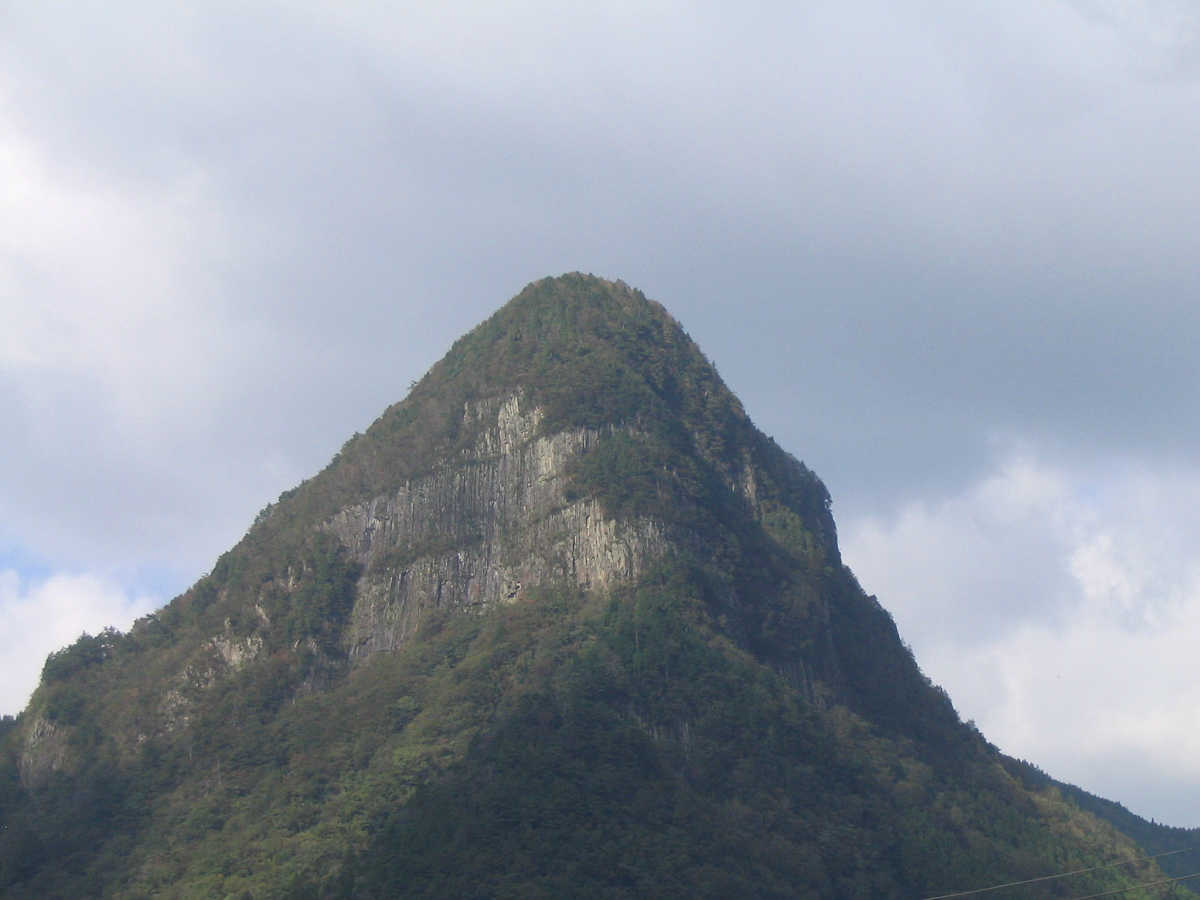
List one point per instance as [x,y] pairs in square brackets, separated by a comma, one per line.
[945,252]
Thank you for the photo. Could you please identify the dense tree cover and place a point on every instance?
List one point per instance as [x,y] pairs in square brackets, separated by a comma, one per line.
[1177,849]
[88,650]
[743,721]
[587,745]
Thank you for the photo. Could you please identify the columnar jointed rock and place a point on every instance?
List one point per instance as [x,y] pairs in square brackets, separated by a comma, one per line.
[478,532]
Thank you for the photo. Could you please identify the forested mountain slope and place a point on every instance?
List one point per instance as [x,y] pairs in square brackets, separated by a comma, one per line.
[562,622]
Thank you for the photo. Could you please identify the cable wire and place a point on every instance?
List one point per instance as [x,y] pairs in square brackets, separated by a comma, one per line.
[1128,862]
[1136,886]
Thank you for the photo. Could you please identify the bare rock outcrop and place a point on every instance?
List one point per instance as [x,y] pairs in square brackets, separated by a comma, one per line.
[44,751]
[480,531]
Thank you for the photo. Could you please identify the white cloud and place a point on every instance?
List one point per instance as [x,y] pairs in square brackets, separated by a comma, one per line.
[125,359]
[1063,617]
[40,616]
[964,569]
[107,282]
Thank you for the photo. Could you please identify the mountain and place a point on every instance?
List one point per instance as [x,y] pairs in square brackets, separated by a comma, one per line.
[562,622]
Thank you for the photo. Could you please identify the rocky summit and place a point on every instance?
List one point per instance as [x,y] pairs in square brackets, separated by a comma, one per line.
[562,622]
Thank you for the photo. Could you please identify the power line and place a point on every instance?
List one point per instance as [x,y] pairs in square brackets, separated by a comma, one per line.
[1136,886]
[1128,862]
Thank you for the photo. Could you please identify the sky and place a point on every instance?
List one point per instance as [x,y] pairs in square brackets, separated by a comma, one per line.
[945,252]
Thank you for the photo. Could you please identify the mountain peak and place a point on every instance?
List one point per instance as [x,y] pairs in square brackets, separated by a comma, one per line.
[583,351]
[575,337]
[581,290]
[561,622]
[582,409]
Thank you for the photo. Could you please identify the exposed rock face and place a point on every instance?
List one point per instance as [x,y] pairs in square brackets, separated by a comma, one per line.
[479,532]
[235,652]
[45,751]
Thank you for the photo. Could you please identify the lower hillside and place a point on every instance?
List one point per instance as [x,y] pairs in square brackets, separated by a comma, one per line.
[570,744]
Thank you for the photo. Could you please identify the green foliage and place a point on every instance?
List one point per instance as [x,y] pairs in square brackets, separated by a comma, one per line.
[570,744]
[657,759]
[325,596]
[1182,844]
[636,475]
[86,651]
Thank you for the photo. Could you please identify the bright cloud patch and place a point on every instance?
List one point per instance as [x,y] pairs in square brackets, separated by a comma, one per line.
[38,617]
[1061,610]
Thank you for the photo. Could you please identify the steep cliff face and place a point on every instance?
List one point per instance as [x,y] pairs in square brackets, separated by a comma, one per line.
[44,752]
[482,528]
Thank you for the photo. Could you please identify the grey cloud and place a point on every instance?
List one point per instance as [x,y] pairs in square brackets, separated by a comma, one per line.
[942,214]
